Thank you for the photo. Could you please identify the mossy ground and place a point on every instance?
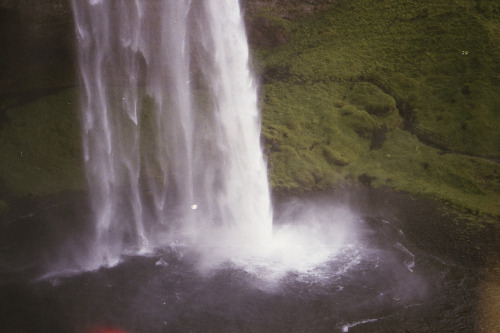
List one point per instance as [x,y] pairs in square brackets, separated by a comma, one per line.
[330,89]
[40,147]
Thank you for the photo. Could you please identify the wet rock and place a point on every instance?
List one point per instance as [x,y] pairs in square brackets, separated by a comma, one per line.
[263,32]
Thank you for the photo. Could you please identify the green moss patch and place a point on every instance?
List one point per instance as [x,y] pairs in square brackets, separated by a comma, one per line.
[372,99]
[40,147]
[437,59]
[312,134]
[336,94]
[404,163]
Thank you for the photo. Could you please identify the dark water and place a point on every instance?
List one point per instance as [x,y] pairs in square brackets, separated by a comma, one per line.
[399,275]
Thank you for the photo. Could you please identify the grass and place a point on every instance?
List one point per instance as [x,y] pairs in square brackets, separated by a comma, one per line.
[470,183]
[332,87]
[311,133]
[40,147]
[438,57]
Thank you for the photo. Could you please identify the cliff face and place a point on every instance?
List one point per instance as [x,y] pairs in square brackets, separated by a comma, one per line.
[53,10]
[32,21]
[37,38]
[37,41]
[286,8]
[266,19]
[39,46]
[60,8]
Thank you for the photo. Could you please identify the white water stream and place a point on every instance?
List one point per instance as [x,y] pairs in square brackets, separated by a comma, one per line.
[170,126]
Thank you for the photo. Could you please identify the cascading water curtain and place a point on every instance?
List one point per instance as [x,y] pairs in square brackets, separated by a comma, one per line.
[170,126]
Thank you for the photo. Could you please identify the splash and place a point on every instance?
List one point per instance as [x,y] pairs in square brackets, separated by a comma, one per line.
[310,240]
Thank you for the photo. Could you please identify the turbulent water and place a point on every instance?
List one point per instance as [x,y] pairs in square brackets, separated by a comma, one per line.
[170,126]
[379,282]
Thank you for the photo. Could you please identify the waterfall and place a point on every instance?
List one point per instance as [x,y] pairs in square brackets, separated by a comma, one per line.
[170,126]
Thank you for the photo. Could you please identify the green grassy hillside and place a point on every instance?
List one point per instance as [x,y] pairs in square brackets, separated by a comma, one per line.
[338,92]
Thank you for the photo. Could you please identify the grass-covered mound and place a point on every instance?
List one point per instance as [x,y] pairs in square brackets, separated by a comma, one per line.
[336,94]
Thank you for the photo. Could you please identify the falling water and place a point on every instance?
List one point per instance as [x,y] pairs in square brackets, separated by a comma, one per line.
[170,126]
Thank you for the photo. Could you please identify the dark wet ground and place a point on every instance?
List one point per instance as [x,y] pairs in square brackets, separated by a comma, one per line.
[411,270]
